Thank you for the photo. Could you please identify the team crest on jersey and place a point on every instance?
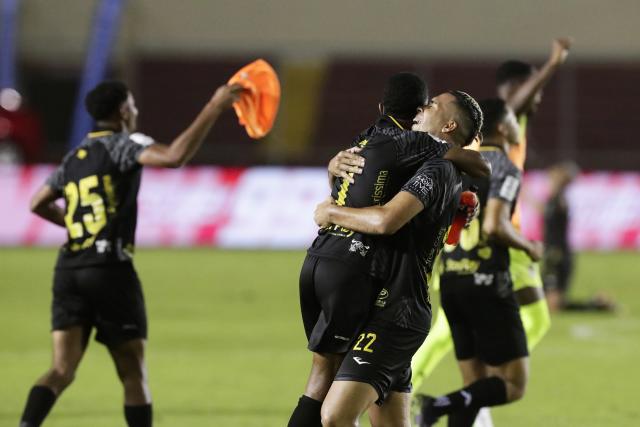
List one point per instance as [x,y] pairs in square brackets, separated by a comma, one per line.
[358,247]
[382,296]
[422,185]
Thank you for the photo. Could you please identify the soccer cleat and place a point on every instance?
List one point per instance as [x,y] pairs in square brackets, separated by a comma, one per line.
[425,416]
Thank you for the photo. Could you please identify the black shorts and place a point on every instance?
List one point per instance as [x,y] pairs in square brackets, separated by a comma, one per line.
[107,297]
[381,357]
[335,299]
[557,268]
[484,318]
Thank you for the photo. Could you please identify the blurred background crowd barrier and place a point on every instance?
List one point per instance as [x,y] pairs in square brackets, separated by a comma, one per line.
[272,207]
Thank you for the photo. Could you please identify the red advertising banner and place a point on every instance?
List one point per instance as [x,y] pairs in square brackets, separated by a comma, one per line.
[272,207]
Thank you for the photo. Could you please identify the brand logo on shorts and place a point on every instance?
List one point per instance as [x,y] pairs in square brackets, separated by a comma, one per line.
[481,279]
[338,337]
[467,397]
[359,361]
[359,247]
[103,246]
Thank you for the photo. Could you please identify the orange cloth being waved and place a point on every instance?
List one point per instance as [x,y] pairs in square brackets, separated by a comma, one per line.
[257,107]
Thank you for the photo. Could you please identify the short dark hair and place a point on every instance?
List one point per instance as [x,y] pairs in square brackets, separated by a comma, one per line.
[513,70]
[105,99]
[404,94]
[471,120]
[494,110]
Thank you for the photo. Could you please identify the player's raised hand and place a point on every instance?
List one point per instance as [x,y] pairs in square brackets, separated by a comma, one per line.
[535,251]
[346,161]
[560,49]
[226,95]
[321,214]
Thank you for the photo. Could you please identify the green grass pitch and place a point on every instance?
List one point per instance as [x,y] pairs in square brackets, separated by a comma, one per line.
[227,346]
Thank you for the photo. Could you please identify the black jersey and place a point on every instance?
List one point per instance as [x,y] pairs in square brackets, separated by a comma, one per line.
[99,181]
[392,155]
[556,222]
[474,253]
[414,248]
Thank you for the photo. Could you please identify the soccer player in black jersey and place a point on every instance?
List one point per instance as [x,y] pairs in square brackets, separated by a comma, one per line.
[95,284]
[338,283]
[558,261]
[477,290]
[378,366]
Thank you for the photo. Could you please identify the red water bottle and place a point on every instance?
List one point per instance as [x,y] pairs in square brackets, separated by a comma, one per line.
[468,204]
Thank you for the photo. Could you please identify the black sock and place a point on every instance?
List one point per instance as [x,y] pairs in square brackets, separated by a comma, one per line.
[39,403]
[139,415]
[490,391]
[306,414]
[464,418]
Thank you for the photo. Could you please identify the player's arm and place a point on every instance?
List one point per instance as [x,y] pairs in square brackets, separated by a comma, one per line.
[417,194]
[386,219]
[497,226]
[519,100]
[183,148]
[43,204]
[345,164]
[469,161]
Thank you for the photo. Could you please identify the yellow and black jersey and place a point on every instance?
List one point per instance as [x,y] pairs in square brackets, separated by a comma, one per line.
[474,253]
[392,156]
[99,181]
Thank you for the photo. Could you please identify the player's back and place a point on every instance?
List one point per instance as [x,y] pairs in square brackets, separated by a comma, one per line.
[474,252]
[99,180]
[412,250]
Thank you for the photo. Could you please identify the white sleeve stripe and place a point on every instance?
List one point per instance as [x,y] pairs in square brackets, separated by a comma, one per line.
[509,188]
[142,139]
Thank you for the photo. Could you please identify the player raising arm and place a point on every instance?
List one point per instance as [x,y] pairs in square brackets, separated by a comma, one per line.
[95,284]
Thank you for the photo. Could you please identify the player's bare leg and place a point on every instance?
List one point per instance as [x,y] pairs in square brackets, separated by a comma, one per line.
[69,346]
[128,358]
[323,370]
[515,374]
[472,370]
[393,412]
[346,402]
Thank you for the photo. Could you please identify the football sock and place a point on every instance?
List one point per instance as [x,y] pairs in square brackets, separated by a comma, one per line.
[490,391]
[138,415]
[437,344]
[306,414]
[39,403]
[464,418]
